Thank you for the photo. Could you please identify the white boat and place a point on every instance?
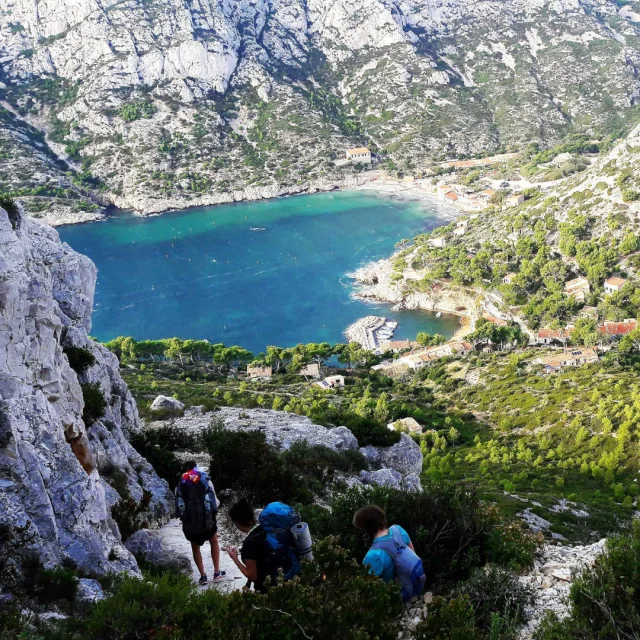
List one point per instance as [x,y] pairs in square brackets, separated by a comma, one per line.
[439,314]
[257,229]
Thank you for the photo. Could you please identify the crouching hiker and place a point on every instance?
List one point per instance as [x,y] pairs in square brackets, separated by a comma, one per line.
[197,506]
[391,556]
[270,549]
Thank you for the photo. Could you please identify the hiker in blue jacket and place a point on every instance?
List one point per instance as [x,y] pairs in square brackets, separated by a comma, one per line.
[391,556]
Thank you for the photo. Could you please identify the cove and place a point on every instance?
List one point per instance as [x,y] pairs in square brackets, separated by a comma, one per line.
[251,274]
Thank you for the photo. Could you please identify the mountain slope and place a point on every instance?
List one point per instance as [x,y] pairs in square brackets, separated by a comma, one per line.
[163,103]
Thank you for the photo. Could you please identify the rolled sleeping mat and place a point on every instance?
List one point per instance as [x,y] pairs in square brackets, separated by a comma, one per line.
[302,537]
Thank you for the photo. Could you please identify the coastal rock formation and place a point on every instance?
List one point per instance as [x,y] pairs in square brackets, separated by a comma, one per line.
[399,465]
[64,456]
[175,103]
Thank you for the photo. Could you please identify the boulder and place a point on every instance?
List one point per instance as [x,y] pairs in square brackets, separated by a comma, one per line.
[372,455]
[148,545]
[342,439]
[167,404]
[404,456]
[411,483]
[89,591]
[382,478]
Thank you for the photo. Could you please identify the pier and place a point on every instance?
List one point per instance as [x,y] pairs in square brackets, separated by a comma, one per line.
[369,331]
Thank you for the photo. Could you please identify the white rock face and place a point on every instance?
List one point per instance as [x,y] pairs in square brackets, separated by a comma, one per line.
[54,469]
[402,68]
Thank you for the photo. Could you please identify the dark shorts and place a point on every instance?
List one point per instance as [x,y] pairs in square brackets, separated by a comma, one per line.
[197,535]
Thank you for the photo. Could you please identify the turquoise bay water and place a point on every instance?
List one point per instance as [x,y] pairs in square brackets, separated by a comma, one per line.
[204,273]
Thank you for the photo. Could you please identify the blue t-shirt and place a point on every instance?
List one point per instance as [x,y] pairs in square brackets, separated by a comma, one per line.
[379,561]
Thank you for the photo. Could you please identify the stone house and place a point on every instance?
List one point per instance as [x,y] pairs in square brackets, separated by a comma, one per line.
[613,285]
[572,358]
[578,288]
[410,425]
[311,370]
[259,373]
[359,155]
[509,278]
[514,200]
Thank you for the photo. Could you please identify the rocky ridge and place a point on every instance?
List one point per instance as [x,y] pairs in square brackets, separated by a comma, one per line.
[166,104]
[64,455]
[398,466]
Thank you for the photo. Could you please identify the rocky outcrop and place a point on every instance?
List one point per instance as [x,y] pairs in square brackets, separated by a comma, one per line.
[64,455]
[398,466]
[554,569]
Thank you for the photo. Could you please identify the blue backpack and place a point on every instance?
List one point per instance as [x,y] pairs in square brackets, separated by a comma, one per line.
[277,520]
[409,570]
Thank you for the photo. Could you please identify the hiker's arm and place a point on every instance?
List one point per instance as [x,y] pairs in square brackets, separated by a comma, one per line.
[249,570]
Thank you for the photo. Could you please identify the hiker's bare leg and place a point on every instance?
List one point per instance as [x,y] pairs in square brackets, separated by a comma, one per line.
[215,553]
[197,557]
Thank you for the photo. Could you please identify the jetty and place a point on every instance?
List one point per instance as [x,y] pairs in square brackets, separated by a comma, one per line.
[369,331]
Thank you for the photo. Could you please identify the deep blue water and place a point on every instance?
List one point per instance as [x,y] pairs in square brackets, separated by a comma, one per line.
[203,273]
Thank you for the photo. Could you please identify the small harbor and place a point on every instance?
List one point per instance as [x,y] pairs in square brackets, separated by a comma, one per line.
[370,331]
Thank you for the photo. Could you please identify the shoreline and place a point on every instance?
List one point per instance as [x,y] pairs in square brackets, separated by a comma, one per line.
[371,181]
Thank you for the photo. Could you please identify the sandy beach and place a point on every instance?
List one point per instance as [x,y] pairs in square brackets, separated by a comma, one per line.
[418,190]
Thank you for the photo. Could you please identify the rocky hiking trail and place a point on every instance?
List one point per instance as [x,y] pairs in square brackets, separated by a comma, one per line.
[174,542]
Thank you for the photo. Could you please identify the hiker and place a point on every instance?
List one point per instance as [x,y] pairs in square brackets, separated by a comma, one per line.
[391,556]
[196,506]
[269,548]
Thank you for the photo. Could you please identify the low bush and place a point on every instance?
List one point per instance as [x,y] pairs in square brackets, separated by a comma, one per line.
[452,530]
[130,515]
[9,205]
[159,447]
[244,462]
[448,620]
[333,598]
[498,599]
[94,403]
[79,359]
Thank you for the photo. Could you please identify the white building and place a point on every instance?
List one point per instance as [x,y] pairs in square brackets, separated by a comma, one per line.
[359,155]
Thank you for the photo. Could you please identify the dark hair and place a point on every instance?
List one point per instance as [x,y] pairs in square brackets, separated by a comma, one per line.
[191,464]
[370,519]
[242,512]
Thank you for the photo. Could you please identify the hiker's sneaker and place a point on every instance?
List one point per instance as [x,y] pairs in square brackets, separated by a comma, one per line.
[203,580]
[219,575]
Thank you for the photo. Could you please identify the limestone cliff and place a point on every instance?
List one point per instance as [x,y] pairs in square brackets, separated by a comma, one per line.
[58,475]
[168,103]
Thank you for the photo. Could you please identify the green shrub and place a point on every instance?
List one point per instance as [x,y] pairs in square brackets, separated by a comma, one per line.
[158,446]
[333,598]
[94,403]
[47,586]
[79,359]
[9,205]
[131,516]
[452,530]
[245,462]
[448,620]
[498,599]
